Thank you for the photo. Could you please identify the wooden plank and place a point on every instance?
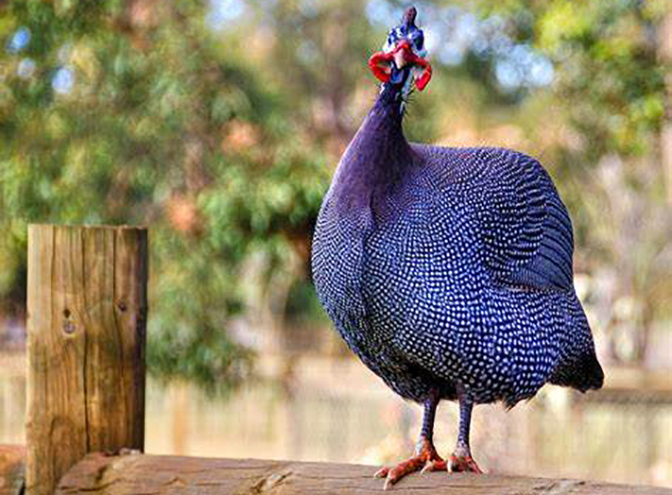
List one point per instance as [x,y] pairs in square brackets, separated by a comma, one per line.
[158,475]
[87,309]
[12,469]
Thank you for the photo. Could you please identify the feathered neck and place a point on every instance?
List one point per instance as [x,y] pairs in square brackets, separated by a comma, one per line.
[377,158]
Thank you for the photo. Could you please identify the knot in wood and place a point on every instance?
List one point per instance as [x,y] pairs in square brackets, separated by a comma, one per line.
[69,327]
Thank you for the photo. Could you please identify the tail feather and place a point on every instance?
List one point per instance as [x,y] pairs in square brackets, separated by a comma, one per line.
[583,374]
[579,367]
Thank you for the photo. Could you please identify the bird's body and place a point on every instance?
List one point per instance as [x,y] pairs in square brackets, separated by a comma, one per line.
[445,266]
[448,271]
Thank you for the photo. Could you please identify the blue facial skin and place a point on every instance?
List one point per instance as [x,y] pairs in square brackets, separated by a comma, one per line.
[412,34]
[416,39]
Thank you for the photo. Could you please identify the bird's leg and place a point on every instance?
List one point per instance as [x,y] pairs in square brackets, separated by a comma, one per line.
[461,460]
[425,456]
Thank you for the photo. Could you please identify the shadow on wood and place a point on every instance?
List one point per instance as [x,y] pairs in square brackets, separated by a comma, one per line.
[135,473]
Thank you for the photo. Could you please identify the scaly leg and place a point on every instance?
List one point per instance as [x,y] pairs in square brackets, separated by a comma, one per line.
[425,456]
[461,460]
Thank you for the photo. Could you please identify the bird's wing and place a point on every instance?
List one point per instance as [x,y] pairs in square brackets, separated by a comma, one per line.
[524,226]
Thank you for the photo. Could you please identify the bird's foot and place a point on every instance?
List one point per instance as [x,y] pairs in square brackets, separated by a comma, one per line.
[463,464]
[425,459]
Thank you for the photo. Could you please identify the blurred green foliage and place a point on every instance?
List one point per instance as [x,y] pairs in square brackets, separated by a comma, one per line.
[163,128]
[217,124]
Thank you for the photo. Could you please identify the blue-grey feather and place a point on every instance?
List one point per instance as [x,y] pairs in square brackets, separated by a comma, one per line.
[451,266]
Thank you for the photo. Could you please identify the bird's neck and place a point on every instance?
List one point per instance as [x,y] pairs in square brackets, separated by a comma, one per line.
[378,157]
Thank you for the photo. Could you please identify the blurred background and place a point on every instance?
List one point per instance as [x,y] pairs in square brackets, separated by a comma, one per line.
[218,124]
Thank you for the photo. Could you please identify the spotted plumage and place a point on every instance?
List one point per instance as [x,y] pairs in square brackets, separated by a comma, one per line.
[448,271]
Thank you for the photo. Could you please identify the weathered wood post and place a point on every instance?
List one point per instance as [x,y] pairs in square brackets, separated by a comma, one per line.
[87,307]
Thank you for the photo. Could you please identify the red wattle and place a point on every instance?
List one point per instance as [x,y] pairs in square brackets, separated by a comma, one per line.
[380,61]
[423,80]
[378,70]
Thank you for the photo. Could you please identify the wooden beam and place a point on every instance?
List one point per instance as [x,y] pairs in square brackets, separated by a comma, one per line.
[150,474]
[12,469]
[87,308]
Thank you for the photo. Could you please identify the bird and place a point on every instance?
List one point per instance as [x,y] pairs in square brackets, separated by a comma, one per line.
[447,270]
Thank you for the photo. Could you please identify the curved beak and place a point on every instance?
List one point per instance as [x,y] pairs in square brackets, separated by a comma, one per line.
[402,55]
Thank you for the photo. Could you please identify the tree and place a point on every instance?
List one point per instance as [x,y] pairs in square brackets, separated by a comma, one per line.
[609,91]
[220,132]
[132,112]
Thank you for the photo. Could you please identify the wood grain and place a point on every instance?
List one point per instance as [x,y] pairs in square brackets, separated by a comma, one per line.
[87,309]
[171,475]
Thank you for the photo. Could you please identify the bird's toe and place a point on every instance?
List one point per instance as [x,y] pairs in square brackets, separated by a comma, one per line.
[463,464]
[434,465]
[382,472]
[426,459]
[392,475]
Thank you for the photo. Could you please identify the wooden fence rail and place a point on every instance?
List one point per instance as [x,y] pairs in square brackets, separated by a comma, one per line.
[163,475]
[132,473]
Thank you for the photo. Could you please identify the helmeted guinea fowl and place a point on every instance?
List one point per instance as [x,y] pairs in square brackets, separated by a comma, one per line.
[448,271]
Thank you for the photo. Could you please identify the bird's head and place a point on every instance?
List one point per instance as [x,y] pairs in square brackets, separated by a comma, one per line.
[403,59]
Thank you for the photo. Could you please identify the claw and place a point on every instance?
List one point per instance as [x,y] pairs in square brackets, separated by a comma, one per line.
[463,464]
[382,472]
[426,459]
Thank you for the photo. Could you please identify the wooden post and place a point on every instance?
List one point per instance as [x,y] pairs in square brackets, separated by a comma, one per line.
[87,308]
